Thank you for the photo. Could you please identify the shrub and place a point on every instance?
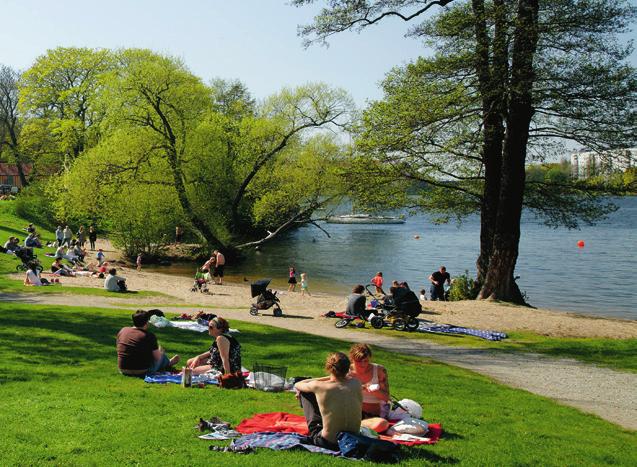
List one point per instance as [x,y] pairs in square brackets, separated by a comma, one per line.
[463,288]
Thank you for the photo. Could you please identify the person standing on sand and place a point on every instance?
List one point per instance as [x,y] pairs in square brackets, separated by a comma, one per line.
[292,279]
[220,263]
[92,237]
[59,236]
[81,236]
[377,280]
[178,234]
[438,279]
[68,235]
[304,285]
[139,261]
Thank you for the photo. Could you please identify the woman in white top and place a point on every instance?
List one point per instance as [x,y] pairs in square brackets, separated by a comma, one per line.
[32,276]
[373,378]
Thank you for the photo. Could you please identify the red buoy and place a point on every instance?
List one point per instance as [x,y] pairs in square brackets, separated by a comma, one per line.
[581,244]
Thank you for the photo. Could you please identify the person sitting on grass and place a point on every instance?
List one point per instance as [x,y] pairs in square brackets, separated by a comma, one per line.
[224,355]
[373,378]
[32,241]
[12,245]
[331,404]
[114,283]
[33,278]
[137,350]
[60,269]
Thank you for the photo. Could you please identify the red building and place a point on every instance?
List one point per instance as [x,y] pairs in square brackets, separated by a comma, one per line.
[9,174]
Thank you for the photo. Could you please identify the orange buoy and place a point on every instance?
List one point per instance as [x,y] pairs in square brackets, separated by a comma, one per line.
[581,244]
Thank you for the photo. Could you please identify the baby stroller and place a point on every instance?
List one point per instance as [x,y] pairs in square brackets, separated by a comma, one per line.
[399,311]
[27,257]
[265,298]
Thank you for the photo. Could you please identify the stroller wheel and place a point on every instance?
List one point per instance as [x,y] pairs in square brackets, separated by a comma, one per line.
[277,312]
[377,322]
[341,323]
[400,324]
[20,267]
[254,311]
[412,324]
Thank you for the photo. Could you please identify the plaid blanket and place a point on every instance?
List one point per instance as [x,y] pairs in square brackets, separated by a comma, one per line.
[450,329]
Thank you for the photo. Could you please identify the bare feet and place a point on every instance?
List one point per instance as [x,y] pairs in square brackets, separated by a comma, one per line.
[174,360]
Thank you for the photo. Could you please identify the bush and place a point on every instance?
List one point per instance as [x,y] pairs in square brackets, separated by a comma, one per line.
[463,288]
[33,204]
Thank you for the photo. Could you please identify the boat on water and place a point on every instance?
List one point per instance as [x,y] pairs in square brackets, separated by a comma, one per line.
[365,219]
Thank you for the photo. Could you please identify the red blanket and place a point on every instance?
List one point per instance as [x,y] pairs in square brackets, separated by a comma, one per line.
[282,422]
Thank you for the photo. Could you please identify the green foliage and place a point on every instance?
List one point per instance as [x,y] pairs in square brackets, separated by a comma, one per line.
[463,287]
[44,349]
[34,203]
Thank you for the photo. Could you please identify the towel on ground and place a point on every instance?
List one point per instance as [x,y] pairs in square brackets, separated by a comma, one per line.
[279,442]
[164,377]
[281,422]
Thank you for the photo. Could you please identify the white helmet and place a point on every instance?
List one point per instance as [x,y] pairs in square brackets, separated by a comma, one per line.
[413,407]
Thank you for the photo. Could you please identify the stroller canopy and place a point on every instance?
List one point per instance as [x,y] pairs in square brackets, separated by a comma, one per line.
[259,287]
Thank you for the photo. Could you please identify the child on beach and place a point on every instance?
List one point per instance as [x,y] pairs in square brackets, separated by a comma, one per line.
[292,279]
[377,280]
[139,262]
[423,294]
[100,257]
[304,288]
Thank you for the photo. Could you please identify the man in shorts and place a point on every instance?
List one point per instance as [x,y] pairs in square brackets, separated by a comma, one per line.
[220,262]
[331,404]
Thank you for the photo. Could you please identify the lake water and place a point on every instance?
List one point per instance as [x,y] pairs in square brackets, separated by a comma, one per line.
[554,273]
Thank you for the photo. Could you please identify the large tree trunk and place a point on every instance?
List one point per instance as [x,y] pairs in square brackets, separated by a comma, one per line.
[500,280]
[492,89]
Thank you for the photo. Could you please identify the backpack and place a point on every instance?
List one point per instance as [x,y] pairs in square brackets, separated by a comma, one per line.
[370,449]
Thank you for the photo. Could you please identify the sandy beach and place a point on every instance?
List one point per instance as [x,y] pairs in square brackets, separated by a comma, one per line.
[476,314]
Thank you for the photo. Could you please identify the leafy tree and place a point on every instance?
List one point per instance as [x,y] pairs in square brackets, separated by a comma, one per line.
[59,94]
[10,120]
[507,80]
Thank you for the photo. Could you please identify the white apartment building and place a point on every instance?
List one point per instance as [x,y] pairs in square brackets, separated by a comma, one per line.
[585,164]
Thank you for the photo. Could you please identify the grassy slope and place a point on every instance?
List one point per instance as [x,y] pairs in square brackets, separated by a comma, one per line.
[64,402]
[13,225]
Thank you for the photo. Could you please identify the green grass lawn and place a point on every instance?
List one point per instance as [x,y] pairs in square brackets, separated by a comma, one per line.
[619,354]
[64,403]
[13,225]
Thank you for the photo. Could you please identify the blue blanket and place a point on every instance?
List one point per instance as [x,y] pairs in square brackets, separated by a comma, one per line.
[163,378]
[279,442]
[450,329]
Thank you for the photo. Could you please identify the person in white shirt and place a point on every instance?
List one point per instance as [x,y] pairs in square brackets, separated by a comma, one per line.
[113,282]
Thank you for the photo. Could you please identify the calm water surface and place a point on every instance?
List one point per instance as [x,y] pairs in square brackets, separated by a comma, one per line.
[554,272]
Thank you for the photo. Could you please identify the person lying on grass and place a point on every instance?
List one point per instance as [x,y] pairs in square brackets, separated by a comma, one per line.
[224,355]
[373,378]
[60,269]
[137,350]
[331,404]
[114,283]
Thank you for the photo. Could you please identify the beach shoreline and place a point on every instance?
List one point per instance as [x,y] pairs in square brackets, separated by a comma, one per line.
[483,314]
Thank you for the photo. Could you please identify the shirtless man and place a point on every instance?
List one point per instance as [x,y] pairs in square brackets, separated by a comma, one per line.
[220,263]
[331,404]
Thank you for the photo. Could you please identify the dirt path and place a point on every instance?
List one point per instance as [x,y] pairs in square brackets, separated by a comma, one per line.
[606,393]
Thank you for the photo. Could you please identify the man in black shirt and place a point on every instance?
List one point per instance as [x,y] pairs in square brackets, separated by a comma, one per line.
[438,279]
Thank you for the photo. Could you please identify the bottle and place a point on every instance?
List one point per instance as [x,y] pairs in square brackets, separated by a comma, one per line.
[186,378]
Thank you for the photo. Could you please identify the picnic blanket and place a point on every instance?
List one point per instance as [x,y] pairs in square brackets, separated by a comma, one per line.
[282,422]
[434,328]
[165,378]
[279,442]
[450,329]
[279,422]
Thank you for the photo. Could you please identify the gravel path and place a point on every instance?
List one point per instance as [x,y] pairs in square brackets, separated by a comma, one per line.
[609,394]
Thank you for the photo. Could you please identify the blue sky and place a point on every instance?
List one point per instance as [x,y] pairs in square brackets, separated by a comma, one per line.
[254,41]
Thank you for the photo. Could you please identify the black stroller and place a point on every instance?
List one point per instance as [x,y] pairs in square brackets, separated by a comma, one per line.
[399,311]
[27,257]
[265,298]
